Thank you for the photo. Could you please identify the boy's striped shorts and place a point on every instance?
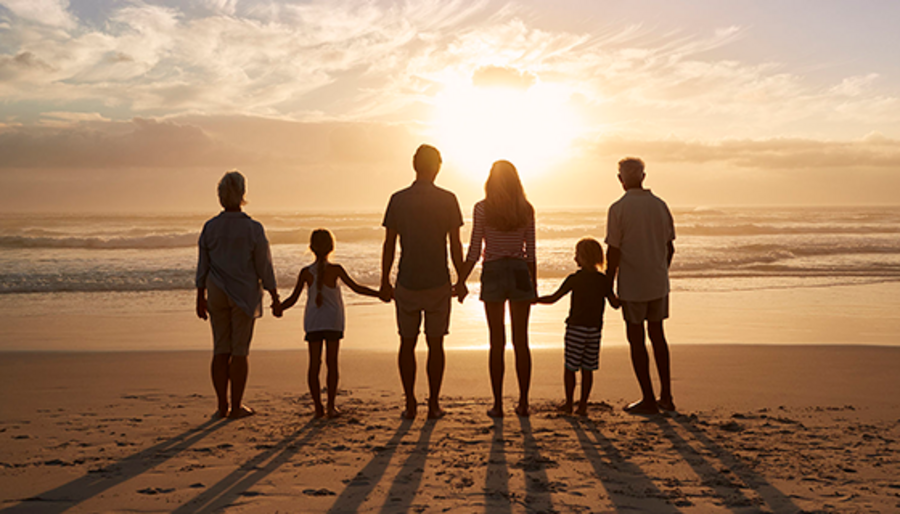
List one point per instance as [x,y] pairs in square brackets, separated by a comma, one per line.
[582,348]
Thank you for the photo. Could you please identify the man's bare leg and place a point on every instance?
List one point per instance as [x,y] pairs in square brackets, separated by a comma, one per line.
[219,372]
[238,372]
[640,361]
[435,370]
[663,364]
[406,360]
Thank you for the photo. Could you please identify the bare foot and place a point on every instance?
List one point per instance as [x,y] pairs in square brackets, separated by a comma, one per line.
[320,413]
[495,412]
[581,412]
[522,410]
[243,412]
[219,415]
[642,407]
[333,413]
[436,413]
[564,408]
[666,404]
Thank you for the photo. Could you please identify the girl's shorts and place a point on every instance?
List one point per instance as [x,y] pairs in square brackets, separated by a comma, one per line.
[582,348]
[317,336]
[506,279]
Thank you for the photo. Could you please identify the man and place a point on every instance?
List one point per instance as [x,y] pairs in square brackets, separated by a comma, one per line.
[640,234]
[423,216]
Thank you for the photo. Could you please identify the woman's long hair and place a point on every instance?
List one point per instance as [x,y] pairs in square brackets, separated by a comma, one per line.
[321,242]
[505,205]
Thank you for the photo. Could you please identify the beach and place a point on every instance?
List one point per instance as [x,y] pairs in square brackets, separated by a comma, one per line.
[758,429]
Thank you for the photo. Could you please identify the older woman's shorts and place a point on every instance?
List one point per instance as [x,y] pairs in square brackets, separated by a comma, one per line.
[232,328]
[506,279]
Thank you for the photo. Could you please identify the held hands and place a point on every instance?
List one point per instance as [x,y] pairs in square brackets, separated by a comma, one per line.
[460,291]
[386,293]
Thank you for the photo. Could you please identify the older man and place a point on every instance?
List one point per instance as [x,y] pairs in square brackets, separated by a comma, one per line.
[640,235]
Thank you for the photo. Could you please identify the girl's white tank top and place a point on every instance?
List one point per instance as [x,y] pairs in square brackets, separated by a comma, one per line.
[329,315]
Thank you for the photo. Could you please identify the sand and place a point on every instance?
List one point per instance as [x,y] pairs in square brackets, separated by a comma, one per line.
[758,429]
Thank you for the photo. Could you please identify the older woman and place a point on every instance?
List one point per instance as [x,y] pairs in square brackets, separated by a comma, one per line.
[234,262]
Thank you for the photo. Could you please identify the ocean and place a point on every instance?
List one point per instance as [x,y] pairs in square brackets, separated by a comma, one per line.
[85,265]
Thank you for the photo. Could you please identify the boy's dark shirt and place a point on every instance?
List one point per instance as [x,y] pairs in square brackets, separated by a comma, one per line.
[589,292]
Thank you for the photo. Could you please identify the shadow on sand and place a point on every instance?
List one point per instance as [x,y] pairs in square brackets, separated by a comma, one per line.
[232,487]
[365,481]
[496,478]
[79,490]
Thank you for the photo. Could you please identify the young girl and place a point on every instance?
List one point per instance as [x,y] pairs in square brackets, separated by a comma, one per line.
[324,316]
[504,222]
[589,287]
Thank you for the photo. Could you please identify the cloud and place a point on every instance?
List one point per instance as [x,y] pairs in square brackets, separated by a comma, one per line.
[498,76]
[47,12]
[874,151]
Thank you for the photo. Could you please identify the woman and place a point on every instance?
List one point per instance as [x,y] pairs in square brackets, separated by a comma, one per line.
[504,220]
[234,260]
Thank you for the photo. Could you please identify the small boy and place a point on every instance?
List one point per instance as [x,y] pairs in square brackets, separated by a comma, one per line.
[589,287]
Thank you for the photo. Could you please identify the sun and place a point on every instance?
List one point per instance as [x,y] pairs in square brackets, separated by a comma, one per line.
[531,127]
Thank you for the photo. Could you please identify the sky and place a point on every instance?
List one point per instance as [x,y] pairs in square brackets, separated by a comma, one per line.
[141,105]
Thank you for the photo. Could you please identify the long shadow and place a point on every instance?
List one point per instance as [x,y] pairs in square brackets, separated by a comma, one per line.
[406,483]
[231,488]
[537,487]
[81,489]
[366,480]
[617,464]
[496,478]
[775,499]
[710,477]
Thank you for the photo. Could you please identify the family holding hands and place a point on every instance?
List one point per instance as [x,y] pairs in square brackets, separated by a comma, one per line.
[235,265]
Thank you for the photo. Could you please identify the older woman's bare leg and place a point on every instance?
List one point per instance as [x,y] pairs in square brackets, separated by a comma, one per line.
[237,373]
[219,372]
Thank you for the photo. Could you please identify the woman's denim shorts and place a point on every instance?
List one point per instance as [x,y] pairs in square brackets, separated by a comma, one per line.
[506,279]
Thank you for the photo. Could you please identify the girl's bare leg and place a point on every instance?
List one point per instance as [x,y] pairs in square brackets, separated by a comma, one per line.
[312,376]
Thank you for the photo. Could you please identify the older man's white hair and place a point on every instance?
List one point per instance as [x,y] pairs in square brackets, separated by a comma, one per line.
[231,190]
[631,170]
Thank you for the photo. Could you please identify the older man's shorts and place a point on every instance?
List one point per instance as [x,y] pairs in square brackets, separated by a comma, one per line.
[232,328]
[638,312]
[432,304]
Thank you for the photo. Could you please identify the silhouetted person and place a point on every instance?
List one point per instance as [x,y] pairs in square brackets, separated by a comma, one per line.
[423,216]
[504,221]
[233,267]
[640,234]
[323,320]
[590,289]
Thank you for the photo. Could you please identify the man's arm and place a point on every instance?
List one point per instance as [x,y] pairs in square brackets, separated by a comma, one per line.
[386,293]
[613,258]
[670,252]
[462,271]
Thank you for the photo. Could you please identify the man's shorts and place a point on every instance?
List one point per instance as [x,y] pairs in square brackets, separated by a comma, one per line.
[411,305]
[638,312]
[231,327]
[506,279]
[582,348]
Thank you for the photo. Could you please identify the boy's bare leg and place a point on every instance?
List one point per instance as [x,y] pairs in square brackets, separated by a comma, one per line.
[587,382]
[519,312]
[661,356]
[312,377]
[219,372]
[406,360]
[569,382]
[435,370]
[495,313]
[331,360]
[640,361]
[238,372]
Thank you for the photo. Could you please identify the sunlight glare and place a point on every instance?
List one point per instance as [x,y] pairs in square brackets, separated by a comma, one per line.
[532,128]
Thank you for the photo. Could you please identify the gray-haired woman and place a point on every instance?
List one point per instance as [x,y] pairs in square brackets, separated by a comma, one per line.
[234,266]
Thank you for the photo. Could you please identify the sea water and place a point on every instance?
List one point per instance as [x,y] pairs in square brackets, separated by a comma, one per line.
[95,265]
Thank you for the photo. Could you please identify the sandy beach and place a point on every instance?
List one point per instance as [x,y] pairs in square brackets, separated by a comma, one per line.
[758,429]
